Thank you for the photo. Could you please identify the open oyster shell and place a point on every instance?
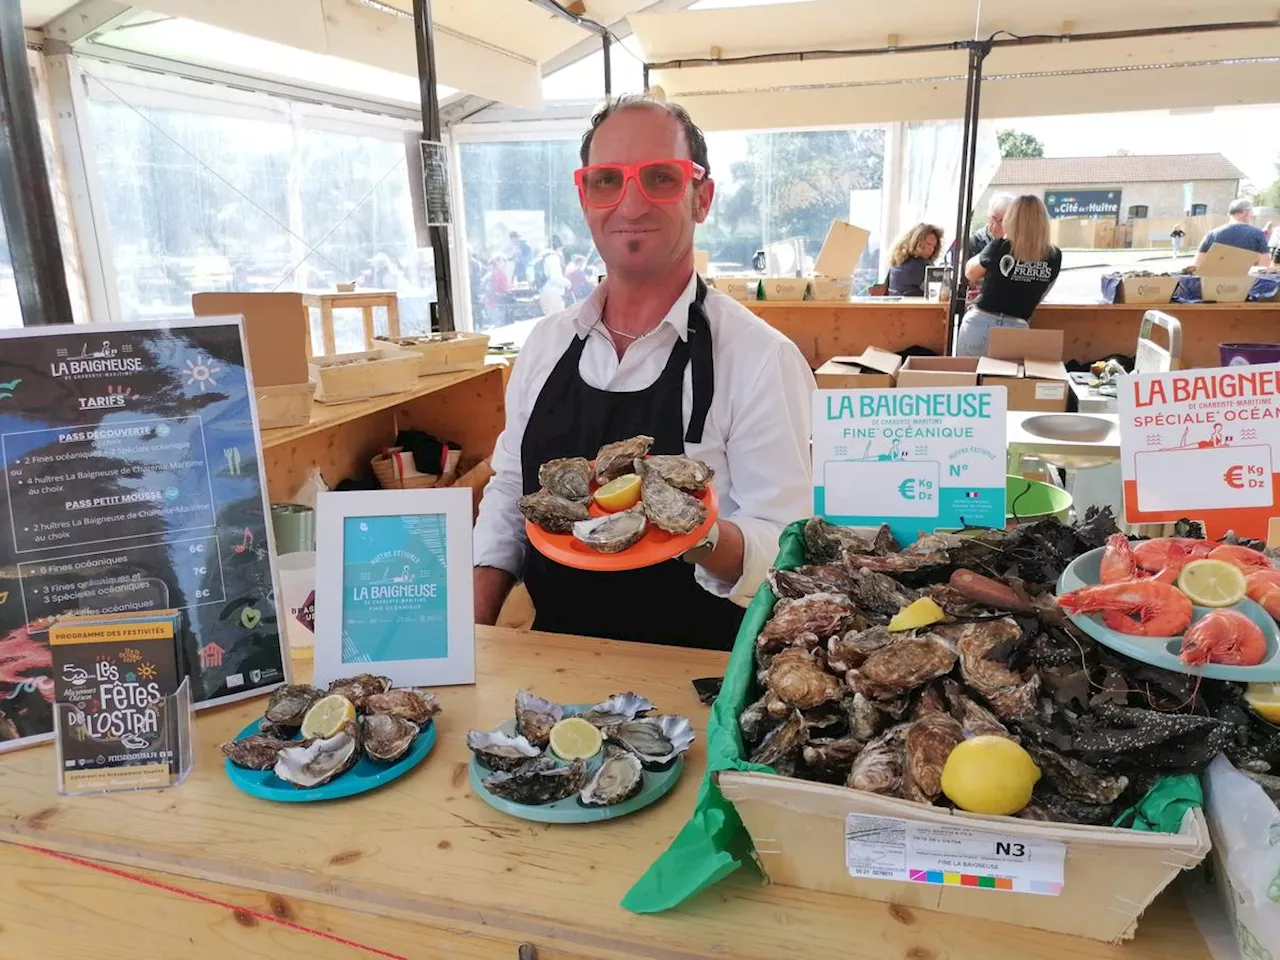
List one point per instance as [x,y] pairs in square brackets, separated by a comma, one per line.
[290,703]
[402,702]
[501,751]
[672,510]
[683,473]
[620,777]
[257,752]
[360,686]
[387,737]
[553,514]
[617,459]
[538,781]
[315,763]
[655,740]
[569,477]
[611,534]
[617,709]
[535,716]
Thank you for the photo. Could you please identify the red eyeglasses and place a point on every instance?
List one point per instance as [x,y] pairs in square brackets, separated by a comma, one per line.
[602,185]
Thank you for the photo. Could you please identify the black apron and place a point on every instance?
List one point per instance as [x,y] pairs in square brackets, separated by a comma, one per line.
[659,604]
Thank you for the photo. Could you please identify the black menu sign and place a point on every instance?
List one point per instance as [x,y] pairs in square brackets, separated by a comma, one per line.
[130,481]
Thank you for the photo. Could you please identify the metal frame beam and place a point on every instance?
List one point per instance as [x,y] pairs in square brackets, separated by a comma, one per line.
[85,19]
[424,35]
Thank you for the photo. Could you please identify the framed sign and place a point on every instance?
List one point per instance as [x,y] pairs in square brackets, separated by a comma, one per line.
[393,586]
[131,481]
[1083,204]
[435,183]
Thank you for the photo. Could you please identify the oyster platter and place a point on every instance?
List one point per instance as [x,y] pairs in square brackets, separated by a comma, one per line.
[314,744]
[624,510]
[558,763]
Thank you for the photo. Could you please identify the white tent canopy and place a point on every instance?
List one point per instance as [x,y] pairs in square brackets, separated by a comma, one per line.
[1204,69]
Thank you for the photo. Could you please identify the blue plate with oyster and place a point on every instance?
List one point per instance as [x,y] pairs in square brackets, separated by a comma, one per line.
[515,769]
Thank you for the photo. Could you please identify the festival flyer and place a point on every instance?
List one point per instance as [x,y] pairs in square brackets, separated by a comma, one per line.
[131,481]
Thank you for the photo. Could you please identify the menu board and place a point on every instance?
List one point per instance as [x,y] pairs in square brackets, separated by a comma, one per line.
[132,481]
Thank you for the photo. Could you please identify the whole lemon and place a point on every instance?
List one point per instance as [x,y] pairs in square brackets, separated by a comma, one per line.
[990,775]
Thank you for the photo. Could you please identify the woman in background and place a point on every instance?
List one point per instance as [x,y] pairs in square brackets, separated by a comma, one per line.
[1176,236]
[1016,272]
[913,252]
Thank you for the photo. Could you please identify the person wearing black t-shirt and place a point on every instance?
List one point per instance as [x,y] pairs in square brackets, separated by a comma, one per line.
[1016,272]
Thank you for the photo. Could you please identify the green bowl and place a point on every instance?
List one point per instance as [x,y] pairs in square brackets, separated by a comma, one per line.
[1034,500]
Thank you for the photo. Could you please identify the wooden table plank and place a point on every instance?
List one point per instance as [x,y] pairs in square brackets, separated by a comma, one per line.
[424,850]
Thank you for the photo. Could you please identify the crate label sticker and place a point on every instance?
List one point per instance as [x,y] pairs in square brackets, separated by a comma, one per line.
[1051,391]
[888,848]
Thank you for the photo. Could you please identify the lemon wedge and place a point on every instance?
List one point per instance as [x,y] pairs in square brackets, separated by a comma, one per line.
[621,494]
[574,738]
[1264,698]
[921,613]
[1212,583]
[327,717]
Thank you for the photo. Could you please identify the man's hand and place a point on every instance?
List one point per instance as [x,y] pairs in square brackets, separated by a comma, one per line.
[725,562]
[491,586]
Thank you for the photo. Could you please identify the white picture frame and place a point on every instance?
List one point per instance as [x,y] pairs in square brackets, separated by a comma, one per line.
[367,613]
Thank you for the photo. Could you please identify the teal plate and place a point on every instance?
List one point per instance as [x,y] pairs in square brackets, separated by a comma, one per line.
[657,784]
[1163,651]
[363,777]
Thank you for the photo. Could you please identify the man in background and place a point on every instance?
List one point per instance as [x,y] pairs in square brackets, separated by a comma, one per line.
[1238,232]
[549,279]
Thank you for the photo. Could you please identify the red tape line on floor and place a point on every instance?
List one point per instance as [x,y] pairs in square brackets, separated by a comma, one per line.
[201,898]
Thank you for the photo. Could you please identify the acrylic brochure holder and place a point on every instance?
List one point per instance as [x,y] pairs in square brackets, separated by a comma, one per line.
[126,761]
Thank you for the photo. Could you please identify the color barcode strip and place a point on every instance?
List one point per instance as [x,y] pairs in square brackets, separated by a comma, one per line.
[970,880]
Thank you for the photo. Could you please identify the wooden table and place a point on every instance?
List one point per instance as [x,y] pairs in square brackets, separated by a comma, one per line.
[341,438]
[424,869]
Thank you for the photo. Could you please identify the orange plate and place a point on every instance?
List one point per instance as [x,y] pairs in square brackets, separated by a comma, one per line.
[653,548]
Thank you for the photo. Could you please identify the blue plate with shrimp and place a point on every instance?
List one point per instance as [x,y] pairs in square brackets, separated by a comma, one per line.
[1163,651]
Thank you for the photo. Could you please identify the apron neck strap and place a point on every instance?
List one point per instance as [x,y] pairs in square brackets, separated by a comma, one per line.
[703,365]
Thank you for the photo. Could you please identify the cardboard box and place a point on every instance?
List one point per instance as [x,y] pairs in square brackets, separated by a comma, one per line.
[1146,289]
[1224,274]
[841,250]
[1028,364]
[783,288]
[275,328]
[939,372]
[1225,289]
[834,289]
[741,289]
[875,368]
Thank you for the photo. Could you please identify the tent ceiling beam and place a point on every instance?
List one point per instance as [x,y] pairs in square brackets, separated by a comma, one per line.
[85,19]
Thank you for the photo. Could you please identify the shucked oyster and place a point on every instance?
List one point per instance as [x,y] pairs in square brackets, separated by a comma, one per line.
[655,740]
[315,763]
[619,778]
[387,737]
[569,477]
[290,703]
[501,751]
[553,514]
[611,534]
[256,752]
[535,716]
[617,459]
[683,473]
[617,709]
[402,702]
[538,781]
[672,510]
[360,686]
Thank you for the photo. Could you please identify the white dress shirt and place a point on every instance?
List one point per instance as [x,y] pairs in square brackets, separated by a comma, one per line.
[756,437]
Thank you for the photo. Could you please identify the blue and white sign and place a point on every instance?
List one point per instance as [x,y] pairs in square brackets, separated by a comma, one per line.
[919,460]
[394,588]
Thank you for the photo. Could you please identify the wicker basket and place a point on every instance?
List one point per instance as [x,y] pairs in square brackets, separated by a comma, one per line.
[395,470]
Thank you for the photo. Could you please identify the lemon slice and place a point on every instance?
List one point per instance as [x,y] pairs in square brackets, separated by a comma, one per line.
[921,613]
[1264,698]
[1212,583]
[327,717]
[574,738]
[620,494]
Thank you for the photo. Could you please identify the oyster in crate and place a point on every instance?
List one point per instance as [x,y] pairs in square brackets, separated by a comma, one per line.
[553,514]
[569,478]
[881,764]
[655,740]
[929,741]
[620,777]
[672,510]
[611,534]
[781,746]
[822,614]
[290,703]
[402,702]
[538,781]
[832,758]
[683,473]
[826,543]
[798,681]
[314,763]
[615,460]
[501,751]
[358,687]
[902,666]
[617,709]
[535,716]
[387,736]
[256,752]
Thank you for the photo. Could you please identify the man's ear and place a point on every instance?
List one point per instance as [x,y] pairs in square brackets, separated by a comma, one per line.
[703,194]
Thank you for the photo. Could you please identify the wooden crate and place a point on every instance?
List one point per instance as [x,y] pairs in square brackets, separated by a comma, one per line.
[359,376]
[440,352]
[286,405]
[363,300]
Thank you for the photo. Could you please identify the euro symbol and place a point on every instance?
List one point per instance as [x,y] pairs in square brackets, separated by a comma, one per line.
[907,488]
[1233,478]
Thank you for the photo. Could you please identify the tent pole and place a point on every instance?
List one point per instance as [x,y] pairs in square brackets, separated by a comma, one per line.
[424,34]
[978,51]
[608,70]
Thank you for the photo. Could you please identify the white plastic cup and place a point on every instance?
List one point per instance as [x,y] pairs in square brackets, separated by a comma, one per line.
[297,583]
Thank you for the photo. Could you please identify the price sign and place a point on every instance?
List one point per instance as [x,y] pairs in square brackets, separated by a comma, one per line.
[919,460]
[1202,444]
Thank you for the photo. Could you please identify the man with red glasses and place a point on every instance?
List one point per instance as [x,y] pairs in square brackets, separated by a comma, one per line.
[651,351]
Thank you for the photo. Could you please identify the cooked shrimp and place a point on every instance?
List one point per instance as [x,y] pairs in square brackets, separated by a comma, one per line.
[1143,608]
[1243,558]
[1154,555]
[1263,588]
[1224,636]
[1119,563]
